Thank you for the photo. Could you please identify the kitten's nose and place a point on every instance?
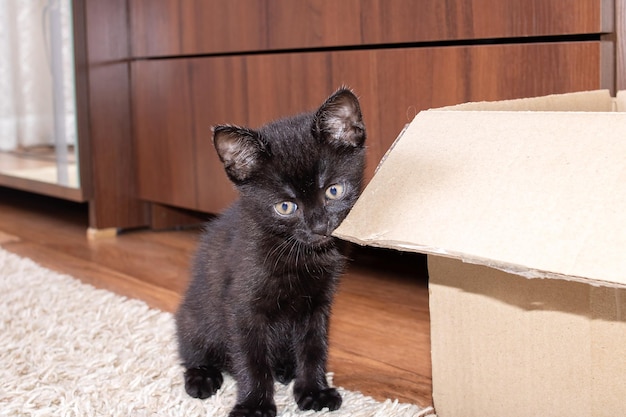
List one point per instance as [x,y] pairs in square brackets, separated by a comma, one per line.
[320,228]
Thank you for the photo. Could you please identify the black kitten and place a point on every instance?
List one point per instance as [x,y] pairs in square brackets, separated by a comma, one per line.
[266,270]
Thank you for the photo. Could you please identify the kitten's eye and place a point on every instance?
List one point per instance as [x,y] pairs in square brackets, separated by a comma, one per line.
[286,208]
[335,191]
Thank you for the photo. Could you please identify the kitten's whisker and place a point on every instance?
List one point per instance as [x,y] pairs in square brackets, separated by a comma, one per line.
[277,249]
[282,252]
[294,251]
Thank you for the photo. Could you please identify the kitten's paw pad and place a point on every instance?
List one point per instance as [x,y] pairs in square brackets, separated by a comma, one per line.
[202,382]
[316,400]
[241,410]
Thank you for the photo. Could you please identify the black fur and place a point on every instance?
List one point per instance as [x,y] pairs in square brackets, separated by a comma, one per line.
[259,300]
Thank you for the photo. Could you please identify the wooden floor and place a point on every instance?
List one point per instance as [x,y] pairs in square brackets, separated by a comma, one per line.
[380,343]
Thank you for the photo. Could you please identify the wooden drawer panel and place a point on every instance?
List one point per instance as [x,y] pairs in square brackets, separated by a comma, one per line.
[190,27]
[176,101]
[163,128]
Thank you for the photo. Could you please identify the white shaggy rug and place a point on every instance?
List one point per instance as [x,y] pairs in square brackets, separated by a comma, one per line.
[68,349]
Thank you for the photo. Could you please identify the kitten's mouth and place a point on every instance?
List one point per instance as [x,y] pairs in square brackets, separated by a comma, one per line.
[319,241]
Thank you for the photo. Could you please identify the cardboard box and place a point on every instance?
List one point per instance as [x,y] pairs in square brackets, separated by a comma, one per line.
[521,208]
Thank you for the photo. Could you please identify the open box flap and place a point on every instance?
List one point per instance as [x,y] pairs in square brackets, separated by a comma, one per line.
[539,194]
[594,101]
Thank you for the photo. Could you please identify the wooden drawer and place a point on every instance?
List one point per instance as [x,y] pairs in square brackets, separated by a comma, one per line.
[176,101]
[195,27]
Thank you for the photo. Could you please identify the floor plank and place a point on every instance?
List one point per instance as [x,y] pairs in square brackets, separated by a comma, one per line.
[379,338]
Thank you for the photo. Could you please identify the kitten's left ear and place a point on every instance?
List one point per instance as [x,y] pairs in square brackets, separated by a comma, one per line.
[339,119]
[241,150]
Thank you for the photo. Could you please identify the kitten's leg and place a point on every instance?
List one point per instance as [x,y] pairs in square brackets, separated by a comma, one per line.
[253,373]
[203,376]
[311,389]
[285,371]
[285,362]
[203,364]
[203,381]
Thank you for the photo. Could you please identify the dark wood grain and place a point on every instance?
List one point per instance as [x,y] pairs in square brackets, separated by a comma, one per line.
[164,217]
[164,27]
[192,27]
[81,82]
[173,119]
[163,132]
[104,71]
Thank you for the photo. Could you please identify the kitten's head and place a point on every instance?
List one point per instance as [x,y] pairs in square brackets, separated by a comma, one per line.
[298,177]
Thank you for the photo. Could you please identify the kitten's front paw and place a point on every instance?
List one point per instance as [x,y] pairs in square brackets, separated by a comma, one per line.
[202,382]
[241,410]
[318,399]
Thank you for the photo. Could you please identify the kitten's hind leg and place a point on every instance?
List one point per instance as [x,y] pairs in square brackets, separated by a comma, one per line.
[202,382]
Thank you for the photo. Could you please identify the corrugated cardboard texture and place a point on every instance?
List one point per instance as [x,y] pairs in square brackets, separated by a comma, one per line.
[536,193]
[620,101]
[503,345]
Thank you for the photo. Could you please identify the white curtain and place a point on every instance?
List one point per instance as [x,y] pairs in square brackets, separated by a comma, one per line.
[27,84]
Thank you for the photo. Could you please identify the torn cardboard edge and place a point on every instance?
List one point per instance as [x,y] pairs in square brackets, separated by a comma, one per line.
[516,269]
[582,102]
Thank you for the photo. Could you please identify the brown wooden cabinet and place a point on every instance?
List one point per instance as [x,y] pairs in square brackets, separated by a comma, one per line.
[176,101]
[154,75]
[194,27]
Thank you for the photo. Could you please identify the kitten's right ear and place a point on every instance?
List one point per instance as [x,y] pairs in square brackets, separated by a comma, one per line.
[339,119]
[241,150]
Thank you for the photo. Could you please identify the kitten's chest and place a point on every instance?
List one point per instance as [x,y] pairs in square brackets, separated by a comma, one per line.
[298,282]
[295,294]
[303,265]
